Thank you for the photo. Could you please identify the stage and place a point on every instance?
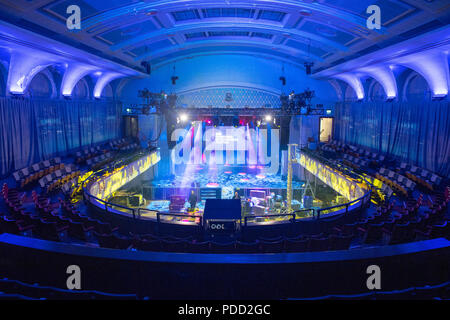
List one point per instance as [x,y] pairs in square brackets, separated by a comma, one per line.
[221,182]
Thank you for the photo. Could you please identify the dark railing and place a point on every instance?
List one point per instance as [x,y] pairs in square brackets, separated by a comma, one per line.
[294,216]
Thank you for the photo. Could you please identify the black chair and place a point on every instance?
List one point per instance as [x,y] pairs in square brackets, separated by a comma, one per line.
[271,246]
[174,245]
[105,240]
[296,245]
[8,225]
[247,247]
[79,230]
[401,233]
[121,242]
[228,247]
[148,245]
[198,247]
[49,230]
[318,244]
[340,242]
[373,232]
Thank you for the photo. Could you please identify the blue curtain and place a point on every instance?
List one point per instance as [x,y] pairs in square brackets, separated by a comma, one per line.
[418,132]
[32,130]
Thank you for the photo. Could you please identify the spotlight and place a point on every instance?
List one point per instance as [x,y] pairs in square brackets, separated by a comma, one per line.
[268,118]
[183,117]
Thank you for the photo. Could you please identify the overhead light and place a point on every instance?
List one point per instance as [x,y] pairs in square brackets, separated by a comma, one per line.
[183,117]
[268,118]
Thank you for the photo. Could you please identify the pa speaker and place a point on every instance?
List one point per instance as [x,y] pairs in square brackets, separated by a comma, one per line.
[147,67]
[284,132]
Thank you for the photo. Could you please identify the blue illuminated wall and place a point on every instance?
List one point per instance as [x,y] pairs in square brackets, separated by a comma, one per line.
[230,71]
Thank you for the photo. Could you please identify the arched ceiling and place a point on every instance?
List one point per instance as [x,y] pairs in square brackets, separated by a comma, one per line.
[327,32]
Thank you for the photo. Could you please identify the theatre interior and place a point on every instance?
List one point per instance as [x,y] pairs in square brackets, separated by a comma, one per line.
[239,149]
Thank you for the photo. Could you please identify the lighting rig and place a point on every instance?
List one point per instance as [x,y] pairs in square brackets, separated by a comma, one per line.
[165,104]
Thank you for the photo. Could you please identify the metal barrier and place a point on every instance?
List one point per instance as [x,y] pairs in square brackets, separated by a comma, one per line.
[313,213]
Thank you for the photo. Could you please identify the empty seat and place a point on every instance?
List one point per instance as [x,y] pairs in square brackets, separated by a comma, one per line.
[247,247]
[296,245]
[318,244]
[271,246]
[227,247]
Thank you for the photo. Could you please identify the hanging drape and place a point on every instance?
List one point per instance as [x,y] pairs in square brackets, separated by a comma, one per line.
[32,130]
[416,132]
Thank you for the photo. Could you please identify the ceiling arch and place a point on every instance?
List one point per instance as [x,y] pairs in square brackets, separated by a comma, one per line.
[333,30]
[176,5]
[193,27]
[230,43]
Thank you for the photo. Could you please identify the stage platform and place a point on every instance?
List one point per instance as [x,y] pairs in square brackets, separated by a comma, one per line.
[219,182]
[231,177]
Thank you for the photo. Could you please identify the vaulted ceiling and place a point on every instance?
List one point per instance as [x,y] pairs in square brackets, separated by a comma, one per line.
[328,32]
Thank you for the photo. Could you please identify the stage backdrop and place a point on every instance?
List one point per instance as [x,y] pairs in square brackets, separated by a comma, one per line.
[32,130]
[418,132]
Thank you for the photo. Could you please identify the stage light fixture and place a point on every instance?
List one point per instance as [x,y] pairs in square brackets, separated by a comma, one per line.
[183,117]
[268,118]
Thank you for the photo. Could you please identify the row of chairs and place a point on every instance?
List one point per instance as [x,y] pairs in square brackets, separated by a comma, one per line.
[58,178]
[396,181]
[276,245]
[100,160]
[355,162]
[368,155]
[87,153]
[36,171]
[426,179]
[438,292]
[69,211]
[18,289]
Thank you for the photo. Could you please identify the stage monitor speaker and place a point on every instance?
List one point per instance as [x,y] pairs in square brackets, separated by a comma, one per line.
[131,126]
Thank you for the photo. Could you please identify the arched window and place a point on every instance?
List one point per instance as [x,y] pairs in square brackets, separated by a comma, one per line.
[81,90]
[40,86]
[350,94]
[377,92]
[3,78]
[416,88]
[108,92]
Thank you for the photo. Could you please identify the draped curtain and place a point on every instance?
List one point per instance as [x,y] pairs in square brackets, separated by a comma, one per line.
[33,130]
[416,132]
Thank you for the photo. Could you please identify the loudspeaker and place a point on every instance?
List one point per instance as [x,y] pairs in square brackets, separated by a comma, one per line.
[131,126]
[147,67]
[283,80]
[284,132]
